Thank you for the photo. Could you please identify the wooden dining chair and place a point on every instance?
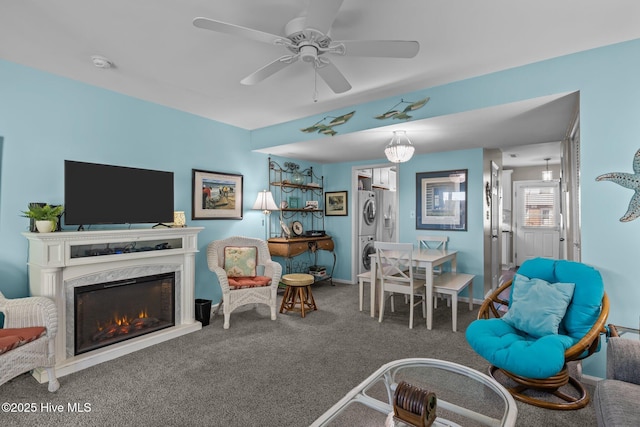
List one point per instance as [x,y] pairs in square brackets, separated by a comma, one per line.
[433,242]
[394,262]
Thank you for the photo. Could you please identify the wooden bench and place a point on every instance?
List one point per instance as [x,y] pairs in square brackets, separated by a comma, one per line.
[452,284]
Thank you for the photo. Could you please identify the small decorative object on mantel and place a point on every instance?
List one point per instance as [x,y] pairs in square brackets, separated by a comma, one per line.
[628,180]
[328,128]
[413,405]
[392,113]
[179,219]
[46,216]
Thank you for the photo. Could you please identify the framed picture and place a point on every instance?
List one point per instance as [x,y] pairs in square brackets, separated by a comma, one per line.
[294,202]
[336,203]
[441,200]
[216,195]
[311,204]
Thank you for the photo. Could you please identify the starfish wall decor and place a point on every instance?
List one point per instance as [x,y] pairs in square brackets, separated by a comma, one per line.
[628,180]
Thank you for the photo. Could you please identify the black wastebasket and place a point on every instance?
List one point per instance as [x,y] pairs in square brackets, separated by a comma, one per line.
[203,311]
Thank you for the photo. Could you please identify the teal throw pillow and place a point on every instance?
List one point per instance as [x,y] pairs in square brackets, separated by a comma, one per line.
[538,306]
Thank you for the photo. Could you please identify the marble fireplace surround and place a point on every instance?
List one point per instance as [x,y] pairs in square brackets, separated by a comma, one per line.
[60,261]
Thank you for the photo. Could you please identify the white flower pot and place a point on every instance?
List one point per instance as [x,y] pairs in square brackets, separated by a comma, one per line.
[45,226]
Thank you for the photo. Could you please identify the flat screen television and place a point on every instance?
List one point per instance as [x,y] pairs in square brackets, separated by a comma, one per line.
[106,194]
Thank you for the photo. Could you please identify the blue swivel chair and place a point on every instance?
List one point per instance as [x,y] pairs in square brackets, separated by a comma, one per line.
[555,313]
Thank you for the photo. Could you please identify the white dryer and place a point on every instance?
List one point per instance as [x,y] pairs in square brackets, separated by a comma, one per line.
[368,213]
[365,248]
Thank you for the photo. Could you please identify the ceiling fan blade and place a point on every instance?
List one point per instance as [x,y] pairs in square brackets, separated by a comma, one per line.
[269,69]
[333,77]
[321,14]
[380,48]
[236,30]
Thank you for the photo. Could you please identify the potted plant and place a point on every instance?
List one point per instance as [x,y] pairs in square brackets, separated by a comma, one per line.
[46,217]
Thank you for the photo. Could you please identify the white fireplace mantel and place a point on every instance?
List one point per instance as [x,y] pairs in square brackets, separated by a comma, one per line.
[61,260]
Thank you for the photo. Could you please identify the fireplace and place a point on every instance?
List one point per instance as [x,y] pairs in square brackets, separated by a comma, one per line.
[108,313]
[151,290]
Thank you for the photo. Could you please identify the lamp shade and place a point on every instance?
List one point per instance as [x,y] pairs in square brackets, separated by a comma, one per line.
[265,202]
[400,148]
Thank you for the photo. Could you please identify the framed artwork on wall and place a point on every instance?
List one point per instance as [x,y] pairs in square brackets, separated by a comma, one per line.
[336,203]
[216,195]
[441,200]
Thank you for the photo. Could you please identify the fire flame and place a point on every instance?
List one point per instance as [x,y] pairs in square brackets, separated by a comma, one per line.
[123,320]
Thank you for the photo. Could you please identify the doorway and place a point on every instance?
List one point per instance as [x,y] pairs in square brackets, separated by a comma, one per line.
[375,203]
[537,221]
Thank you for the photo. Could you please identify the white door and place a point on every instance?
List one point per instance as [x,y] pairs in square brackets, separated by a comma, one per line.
[495,225]
[537,222]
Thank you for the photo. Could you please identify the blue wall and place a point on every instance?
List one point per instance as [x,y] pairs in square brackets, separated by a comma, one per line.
[608,80]
[45,119]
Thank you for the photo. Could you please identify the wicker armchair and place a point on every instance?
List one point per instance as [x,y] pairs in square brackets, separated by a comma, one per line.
[23,313]
[261,289]
[540,363]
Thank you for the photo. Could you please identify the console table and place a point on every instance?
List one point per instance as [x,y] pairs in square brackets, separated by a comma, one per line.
[294,246]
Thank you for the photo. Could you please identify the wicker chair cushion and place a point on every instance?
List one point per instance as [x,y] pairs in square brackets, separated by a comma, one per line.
[505,346]
[249,282]
[240,261]
[11,338]
[538,306]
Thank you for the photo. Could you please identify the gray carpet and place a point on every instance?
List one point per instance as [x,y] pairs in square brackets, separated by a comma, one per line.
[259,372]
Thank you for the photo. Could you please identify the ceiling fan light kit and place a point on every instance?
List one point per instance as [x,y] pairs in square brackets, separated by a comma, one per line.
[306,38]
[400,148]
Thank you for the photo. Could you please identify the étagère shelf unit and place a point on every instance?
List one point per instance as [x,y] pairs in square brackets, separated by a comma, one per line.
[299,195]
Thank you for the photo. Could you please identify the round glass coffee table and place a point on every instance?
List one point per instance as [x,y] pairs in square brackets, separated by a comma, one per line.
[465,397]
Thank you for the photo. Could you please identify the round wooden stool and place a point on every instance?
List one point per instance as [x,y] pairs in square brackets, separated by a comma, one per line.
[297,294]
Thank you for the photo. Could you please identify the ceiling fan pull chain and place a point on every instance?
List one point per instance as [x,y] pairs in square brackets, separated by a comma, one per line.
[315,84]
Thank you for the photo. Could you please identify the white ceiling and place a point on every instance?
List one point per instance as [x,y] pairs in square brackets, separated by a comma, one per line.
[161,57]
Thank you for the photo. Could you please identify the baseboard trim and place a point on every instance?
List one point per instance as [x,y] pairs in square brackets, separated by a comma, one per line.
[590,379]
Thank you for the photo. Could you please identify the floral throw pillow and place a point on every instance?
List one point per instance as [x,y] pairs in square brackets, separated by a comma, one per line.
[240,261]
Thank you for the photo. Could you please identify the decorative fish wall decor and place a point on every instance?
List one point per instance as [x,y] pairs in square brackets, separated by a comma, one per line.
[392,113]
[327,129]
[628,180]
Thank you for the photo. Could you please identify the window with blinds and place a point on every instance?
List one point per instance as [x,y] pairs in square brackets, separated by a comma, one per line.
[539,207]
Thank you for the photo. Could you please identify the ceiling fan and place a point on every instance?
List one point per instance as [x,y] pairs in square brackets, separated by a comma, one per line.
[306,38]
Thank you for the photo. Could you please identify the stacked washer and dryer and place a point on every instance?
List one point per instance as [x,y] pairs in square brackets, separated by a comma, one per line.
[367,209]
[377,213]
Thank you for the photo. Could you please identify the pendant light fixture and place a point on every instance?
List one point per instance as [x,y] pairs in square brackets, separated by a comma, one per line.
[400,148]
[547,175]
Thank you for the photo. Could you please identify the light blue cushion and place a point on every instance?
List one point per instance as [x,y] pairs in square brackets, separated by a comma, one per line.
[512,350]
[587,298]
[538,306]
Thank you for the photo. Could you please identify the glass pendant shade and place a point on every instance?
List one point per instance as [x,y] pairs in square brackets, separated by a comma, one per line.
[547,175]
[400,148]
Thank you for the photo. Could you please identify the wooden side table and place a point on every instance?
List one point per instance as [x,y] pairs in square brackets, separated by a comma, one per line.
[294,246]
[297,295]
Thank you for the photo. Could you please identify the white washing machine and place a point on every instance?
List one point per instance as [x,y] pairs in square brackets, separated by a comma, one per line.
[365,248]
[368,213]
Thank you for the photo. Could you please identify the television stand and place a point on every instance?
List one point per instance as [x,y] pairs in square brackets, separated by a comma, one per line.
[161,224]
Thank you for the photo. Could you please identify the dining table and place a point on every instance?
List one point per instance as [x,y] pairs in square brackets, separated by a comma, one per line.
[425,258]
